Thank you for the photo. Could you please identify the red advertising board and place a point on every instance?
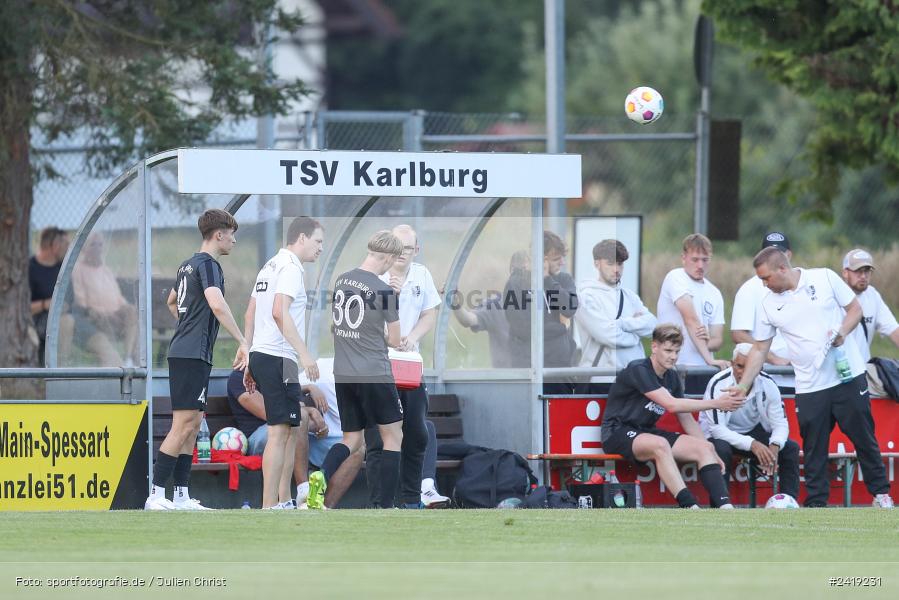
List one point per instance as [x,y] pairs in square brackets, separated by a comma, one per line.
[574,428]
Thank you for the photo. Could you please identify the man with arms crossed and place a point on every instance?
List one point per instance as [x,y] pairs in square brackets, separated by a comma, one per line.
[641,394]
[691,302]
[419,300]
[814,309]
[198,302]
[858,265]
[611,319]
[275,323]
[361,306]
[758,428]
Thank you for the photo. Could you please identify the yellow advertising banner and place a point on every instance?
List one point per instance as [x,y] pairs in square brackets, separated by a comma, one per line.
[69,456]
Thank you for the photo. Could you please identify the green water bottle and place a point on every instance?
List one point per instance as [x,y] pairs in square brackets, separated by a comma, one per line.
[204,444]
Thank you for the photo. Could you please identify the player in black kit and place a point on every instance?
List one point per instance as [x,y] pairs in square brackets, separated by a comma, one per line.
[198,302]
[642,392]
[366,392]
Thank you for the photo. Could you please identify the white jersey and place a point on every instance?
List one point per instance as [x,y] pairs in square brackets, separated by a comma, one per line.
[763,406]
[746,303]
[876,317]
[282,274]
[418,294]
[805,316]
[707,302]
[325,383]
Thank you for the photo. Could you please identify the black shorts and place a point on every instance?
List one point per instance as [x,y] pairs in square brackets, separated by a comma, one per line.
[277,379]
[188,383]
[620,439]
[365,404]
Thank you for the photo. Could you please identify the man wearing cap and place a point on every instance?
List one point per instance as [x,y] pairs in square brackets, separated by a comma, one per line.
[746,302]
[858,265]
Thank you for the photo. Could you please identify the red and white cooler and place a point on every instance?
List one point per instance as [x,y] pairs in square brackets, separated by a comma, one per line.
[407,369]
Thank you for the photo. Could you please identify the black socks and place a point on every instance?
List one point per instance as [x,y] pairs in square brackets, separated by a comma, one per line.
[714,482]
[335,457]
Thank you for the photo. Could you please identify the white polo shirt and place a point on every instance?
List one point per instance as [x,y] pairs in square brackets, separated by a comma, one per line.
[418,294]
[876,316]
[746,303]
[282,274]
[804,316]
[707,302]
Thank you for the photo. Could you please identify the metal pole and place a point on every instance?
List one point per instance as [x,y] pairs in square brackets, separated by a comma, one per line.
[554,49]
[145,258]
[537,307]
[701,192]
[269,206]
[413,128]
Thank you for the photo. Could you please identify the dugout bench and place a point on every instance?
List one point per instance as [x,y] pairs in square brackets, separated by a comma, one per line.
[209,481]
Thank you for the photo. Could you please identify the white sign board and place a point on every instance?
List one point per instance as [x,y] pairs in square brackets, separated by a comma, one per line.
[589,231]
[340,173]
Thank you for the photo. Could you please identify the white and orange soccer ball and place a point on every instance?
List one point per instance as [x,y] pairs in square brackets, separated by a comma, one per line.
[644,105]
[230,438]
[781,501]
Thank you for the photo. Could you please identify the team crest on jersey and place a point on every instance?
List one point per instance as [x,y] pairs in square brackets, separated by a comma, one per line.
[261,286]
[810,290]
[416,290]
[707,308]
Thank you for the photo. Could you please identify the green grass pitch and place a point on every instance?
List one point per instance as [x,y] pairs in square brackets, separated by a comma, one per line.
[555,554]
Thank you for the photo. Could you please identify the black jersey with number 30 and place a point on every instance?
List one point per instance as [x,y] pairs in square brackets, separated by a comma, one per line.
[197,326]
[360,307]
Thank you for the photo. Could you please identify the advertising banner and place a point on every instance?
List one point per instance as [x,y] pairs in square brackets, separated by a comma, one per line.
[73,456]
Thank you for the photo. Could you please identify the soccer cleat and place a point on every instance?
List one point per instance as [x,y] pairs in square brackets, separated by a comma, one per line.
[431,499]
[302,493]
[161,503]
[192,504]
[882,501]
[727,506]
[317,487]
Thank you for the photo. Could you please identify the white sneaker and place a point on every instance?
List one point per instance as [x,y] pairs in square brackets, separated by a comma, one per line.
[192,504]
[431,499]
[160,503]
[302,493]
[882,501]
[727,506]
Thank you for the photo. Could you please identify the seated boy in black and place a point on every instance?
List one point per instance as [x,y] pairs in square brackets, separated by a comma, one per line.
[643,391]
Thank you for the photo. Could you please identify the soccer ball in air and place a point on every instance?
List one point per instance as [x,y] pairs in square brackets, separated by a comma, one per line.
[230,438]
[781,501]
[644,105]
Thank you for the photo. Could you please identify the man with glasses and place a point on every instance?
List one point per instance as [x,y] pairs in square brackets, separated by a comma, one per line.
[858,266]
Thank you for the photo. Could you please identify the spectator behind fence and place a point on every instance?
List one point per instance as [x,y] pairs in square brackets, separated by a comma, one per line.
[318,432]
[694,304]
[746,304]
[610,318]
[858,266]
[641,394]
[490,316]
[816,311]
[43,269]
[101,307]
[560,303]
[758,428]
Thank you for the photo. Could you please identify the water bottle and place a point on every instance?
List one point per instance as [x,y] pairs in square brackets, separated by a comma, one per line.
[204,446]
[842,363]
[612,478]
[638,494]
[246,505]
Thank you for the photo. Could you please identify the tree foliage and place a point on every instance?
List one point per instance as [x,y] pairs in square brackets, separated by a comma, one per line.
[842,56]
[130,77]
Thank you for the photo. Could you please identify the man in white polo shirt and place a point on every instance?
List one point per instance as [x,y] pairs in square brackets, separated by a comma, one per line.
[815,311]
[694,304]
[742,319]
[275,324]
[858,266]
[419,300]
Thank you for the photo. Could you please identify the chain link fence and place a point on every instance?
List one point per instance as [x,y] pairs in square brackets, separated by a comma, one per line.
[624,173]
